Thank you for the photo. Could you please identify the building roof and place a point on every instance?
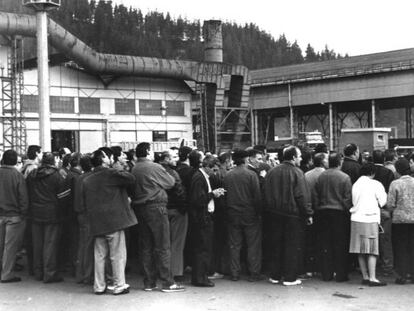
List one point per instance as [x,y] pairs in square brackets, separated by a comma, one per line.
[346,67]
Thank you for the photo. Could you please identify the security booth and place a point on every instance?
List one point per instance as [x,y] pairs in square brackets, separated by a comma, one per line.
[367,139]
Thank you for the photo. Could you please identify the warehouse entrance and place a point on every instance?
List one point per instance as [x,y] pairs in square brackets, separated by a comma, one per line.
[68,139]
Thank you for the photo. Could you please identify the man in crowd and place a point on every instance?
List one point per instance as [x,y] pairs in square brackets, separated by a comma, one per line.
[350,164]
[320,161]
[243,204]
[46,187]
[332,201]
[390,157]
[177,216]
[289,205]
[105,197]
[13,209]
[202,197]
[34,155]
[150,203]
[85,252]
[385,176]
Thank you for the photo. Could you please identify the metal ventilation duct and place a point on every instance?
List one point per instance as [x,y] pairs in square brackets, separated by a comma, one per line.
[91,60]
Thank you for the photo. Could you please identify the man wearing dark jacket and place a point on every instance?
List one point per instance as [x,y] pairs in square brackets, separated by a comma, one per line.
[150,203]
[46,187]
[243,204]
[13,209]
[104,195]
[202,197]
[350,164]
[288,204]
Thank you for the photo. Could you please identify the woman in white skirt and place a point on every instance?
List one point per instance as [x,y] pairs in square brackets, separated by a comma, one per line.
[368,196]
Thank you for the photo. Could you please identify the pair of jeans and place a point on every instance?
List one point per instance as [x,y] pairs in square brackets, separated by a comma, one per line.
[110,246]
[178,234]
[154,235]
[287,235]
[11,234]
[46,238]
[249,227]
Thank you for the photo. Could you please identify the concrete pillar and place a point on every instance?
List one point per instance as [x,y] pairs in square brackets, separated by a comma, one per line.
[373,113]
[291,113]
[43,81]
[213,41]
[331,128]
[408,120]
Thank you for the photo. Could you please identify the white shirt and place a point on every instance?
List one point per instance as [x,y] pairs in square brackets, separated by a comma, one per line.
[210,206]
[368,195]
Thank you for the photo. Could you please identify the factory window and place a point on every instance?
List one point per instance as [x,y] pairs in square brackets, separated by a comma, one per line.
[124,106]
[30,103]
[62,104]
[159,135]
[89,105]
[150,107]
[175,108]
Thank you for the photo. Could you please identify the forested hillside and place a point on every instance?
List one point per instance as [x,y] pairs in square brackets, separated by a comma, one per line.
[117,29]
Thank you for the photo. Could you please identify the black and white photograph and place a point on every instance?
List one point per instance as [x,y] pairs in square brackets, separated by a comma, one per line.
[206,155]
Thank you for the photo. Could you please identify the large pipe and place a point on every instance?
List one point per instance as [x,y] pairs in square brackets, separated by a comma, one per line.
[103,63]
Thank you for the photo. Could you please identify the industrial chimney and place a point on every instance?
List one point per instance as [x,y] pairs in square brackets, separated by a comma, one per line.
[213,41]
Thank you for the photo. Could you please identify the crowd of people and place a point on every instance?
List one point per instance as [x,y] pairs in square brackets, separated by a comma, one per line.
[302,214]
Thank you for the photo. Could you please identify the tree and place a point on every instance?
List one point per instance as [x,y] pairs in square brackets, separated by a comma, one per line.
[310,54]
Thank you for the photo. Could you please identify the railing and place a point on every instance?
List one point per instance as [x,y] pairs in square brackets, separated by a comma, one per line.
[159,146]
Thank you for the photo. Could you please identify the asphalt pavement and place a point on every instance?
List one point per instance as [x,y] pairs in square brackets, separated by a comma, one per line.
[227,295]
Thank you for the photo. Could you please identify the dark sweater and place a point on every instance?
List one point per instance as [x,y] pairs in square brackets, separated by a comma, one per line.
[333,190]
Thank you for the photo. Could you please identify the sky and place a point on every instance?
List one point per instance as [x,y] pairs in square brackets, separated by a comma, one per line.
[354,27]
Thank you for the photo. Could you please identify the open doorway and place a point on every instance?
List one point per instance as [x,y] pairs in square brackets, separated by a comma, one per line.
[68,139]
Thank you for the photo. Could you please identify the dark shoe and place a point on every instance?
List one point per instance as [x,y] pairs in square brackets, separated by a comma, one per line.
[205,284]
[101,292]
[376,284]
[12,280]
[365,282]
[56,279]
[234,278]
[342,279]
[401,281]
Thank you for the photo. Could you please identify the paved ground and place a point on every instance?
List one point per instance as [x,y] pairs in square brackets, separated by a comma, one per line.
[313,294]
